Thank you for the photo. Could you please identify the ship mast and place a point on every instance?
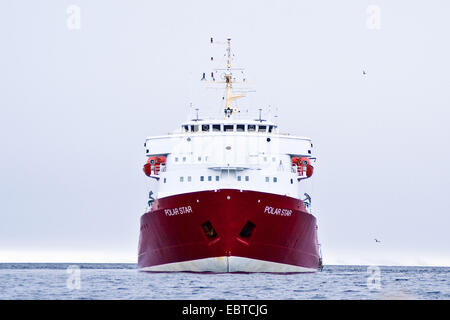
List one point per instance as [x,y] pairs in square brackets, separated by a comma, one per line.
[229,96]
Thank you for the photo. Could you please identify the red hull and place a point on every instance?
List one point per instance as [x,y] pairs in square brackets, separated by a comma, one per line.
[284,232]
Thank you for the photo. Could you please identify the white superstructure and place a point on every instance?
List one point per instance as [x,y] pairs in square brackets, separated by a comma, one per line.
[229,153]
[220,154]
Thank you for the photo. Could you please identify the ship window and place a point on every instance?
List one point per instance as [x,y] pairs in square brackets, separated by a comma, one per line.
[262,129]
[267,179]
[265,158]
[251,127]
[209,178]
[275,179]
[181,179]
[239,178]
[165,180]
[228,127]
[292,181]
[270,128]
[194,128]
[217,178]
[186,128]
[205,127]
[199,158]
[240,127]
[184,159]
[247,230]
[216,127]
[247,178]
[176,159]
[208,229]
[189,178]
[273,159]
[202,178]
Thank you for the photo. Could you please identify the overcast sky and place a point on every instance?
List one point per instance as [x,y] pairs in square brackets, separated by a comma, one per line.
[78,98]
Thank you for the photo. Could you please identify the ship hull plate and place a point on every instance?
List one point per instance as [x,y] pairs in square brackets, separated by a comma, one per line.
[228,230]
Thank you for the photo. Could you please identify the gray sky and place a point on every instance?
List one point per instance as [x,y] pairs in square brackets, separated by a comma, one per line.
[77,104]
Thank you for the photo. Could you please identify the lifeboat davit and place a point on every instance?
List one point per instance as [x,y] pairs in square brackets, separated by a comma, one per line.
[153,165]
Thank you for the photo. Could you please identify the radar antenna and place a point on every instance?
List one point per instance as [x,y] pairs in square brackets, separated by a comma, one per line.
[227,75]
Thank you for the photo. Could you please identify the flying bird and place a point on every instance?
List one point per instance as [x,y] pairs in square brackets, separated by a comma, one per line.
[376,240]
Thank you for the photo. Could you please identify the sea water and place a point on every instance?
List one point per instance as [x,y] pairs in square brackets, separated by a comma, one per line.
[124,281]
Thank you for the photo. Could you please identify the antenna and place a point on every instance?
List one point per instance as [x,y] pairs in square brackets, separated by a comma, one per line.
[226,76]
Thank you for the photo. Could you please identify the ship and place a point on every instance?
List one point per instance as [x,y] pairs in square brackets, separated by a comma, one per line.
[229,194]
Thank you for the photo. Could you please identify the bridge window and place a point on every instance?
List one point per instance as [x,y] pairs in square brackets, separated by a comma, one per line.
[202,178]
[262,129]
[209,178]
[270,128]
[240,127]
[275,179]
[165,180]
[228,127]
[186,128]
[189,178]
[247,178]
[239,178]
[216,127]
[251,128]
[181,179]
[267,179]
[205,127]
[176,159]
[217,178]
[292,181]
[199,159]
[194,128]
[184,159]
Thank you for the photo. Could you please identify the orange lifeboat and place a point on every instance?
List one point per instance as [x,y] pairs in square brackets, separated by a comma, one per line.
[309,170]
[153,165]
[303,166]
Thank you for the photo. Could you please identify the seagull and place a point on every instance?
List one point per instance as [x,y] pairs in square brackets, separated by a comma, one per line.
[376,240]
[203,78]
[364,72]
